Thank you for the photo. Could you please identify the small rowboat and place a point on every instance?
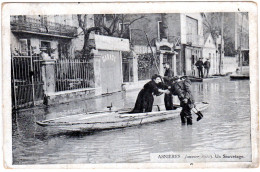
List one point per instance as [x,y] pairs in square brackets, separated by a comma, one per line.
[239,77]
[113,119]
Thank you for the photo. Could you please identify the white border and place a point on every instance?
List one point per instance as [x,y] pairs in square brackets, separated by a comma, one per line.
[149,7]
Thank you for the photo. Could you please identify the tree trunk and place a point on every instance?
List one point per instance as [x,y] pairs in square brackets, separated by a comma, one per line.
[85,53]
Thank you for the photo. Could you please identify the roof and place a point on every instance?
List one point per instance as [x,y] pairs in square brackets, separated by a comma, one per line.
[206,37]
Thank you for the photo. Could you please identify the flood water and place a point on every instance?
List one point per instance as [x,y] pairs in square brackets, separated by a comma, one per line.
[225,127]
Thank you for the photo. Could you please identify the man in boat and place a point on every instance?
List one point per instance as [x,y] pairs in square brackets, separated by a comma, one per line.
[182,88]
[144,101]
[168,76]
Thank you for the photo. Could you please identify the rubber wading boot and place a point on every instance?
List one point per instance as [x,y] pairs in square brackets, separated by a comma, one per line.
[200,116]
[189,121]
[183,120]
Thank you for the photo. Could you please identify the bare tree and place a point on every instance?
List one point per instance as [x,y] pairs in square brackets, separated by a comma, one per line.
[110,23]
[212,24]
[82,21]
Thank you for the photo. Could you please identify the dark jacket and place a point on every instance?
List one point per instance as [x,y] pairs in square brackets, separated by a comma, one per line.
[206,64]
[144,101]
[183,90]
[168,76]
[199,64]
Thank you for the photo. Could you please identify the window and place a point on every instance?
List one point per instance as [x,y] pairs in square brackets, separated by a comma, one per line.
[43,19]
[160,30]
[47,44]
[192,26]
[25,44]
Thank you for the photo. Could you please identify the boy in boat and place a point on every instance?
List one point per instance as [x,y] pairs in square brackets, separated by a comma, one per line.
[181,88]
[144,101]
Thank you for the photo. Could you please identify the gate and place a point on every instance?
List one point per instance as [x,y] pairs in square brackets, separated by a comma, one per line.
[111,71]
[26,78]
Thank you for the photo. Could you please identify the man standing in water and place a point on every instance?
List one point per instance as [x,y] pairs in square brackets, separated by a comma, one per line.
[182,88]
[206,67]
[168,76]
[199,65]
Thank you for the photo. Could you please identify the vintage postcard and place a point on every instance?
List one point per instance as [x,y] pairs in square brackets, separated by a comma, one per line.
[130,85]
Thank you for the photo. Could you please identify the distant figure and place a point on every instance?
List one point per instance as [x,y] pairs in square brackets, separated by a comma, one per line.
[199,65]
[168,76]
[238,71]
[206,67]
[193,69]
[144,101]
[182,88]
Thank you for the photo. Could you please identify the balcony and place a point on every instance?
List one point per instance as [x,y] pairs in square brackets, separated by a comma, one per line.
[195,40]
[37,26]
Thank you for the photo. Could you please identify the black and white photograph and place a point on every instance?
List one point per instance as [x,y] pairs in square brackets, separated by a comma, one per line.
[141,87]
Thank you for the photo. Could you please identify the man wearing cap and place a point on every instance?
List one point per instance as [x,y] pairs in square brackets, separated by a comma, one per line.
[168,76]
[199,65]
[206,67]
[181,87]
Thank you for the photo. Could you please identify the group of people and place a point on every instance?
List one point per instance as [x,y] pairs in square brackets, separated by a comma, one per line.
[170,86]
[200,65]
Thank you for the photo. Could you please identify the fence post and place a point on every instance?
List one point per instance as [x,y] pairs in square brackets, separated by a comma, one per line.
[160,64]
[174,63]
[135,67]
[97,72]
[48,77]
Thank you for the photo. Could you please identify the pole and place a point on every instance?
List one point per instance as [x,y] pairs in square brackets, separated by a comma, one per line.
[240,54]
[32,78]
[221,44]
[13,82]
[157,68]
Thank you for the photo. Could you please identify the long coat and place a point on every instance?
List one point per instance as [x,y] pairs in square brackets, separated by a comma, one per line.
[168,99]
[144,101]
[168,75]
[183,90]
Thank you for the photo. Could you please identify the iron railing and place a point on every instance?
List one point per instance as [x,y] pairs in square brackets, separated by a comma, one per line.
[24,23]
[74,74]
[27,84]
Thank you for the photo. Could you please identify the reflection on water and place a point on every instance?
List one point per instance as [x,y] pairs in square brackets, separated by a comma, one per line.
[225,126]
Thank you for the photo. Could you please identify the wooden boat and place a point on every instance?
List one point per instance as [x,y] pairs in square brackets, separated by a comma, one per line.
[195,79]
[238,77]
[113,119]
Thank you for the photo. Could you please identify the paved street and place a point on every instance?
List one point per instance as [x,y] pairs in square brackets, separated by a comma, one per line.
[225,126]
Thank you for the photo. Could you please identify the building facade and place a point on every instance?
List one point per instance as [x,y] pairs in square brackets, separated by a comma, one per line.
[210,52]
[58,33]
[177,38]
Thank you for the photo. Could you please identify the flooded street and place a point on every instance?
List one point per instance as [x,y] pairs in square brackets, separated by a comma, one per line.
[225,127]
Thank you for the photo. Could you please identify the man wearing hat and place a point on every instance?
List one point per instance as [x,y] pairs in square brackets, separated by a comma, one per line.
[168,76]
[206,67]
[181,87]
[199,65]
